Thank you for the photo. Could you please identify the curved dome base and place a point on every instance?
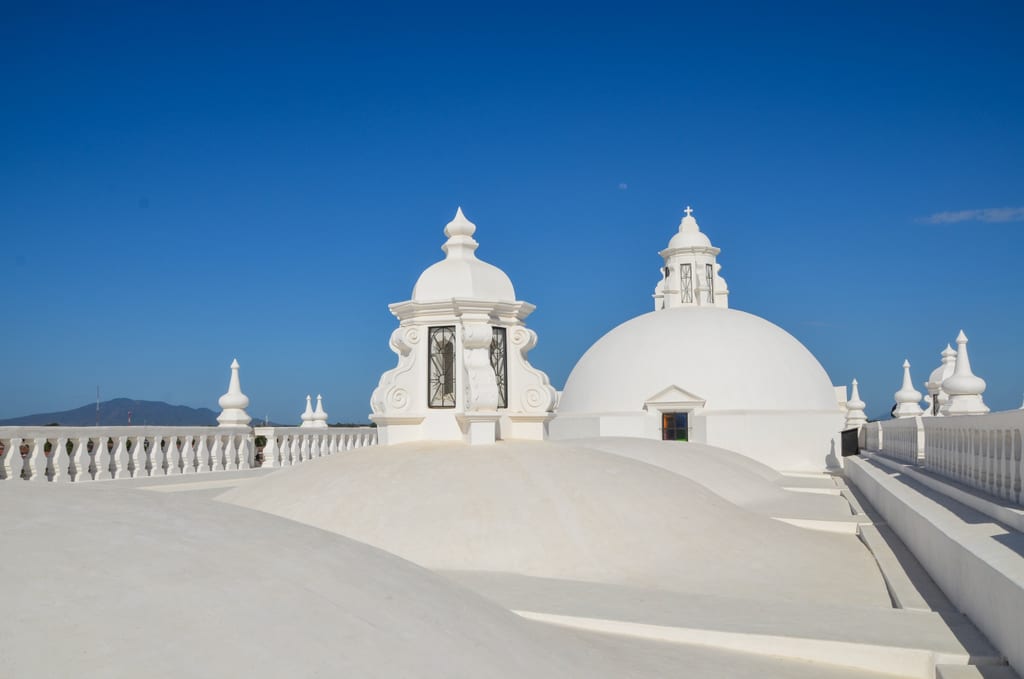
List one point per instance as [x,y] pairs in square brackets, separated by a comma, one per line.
[785,441]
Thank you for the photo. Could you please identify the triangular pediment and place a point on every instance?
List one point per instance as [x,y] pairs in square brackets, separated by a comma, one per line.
[673,397]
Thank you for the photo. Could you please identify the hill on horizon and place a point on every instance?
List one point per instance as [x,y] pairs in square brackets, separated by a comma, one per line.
[115,412]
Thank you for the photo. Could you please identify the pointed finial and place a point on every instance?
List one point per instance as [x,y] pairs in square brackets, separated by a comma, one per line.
[460,243]
[964,387]
[459,226]
[319,418]
[908,399]
[307,414]
[234,402]
[855,415]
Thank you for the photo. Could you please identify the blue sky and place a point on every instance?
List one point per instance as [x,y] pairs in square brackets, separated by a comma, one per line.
[182,184]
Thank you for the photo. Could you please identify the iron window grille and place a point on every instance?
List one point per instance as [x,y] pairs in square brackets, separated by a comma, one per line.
[686,282]
[499,361]
[441,367]
[711,281]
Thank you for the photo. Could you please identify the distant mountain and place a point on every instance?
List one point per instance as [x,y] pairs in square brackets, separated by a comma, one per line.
[115,413]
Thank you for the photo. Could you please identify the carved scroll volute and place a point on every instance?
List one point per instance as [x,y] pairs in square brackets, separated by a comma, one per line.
[391,394]
[481,385]
[536,395]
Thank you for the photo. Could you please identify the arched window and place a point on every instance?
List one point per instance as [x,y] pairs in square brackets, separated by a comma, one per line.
[441,367]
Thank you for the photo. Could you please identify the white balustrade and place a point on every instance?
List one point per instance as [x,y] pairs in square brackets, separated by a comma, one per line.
[903,439]
[981,451]
[79,454]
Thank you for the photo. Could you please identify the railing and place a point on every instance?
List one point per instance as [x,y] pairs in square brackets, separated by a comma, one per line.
[77,454]
[903,440]
[291,445]
[980,451]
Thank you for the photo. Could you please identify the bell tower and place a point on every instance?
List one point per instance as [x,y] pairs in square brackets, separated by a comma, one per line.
[690,276]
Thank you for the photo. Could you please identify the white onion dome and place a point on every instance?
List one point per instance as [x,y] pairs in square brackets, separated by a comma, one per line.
[690,235]
[944,370]
[907,393]
[319,415]
[234,398]
[730,359]
[963,381]
[307,415]
[460,273]
[855,402]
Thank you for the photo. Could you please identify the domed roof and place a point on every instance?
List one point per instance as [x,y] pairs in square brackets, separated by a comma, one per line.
[730,359]
[559,511]
[689,235]
[460,273]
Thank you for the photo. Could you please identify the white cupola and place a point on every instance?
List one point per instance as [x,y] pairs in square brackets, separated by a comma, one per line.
[939,398]
[307,414]
[855,415]
[690,275]
[234,402]
[908,399]
[319,420]
[462,343]
[964,387]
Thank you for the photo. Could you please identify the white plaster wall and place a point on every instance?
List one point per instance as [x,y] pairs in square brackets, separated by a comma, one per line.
[785,441]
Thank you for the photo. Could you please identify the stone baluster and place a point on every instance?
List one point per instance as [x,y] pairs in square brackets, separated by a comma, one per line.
[305,452]
[230,453]
[140,457]
[168,445]
[158,458]
[296,449]
[59,461]
[314,447]
[284,445]
[81,460]
[270,452]
[37,460]
[13,463]
[185,455]
[246,446]
[217,454]
[203,453]
[119,458]
[332,445]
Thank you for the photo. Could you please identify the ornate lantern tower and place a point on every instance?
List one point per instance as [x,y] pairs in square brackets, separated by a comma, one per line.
[462,371]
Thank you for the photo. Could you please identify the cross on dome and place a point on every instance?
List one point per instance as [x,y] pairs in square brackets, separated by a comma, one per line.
[688,210]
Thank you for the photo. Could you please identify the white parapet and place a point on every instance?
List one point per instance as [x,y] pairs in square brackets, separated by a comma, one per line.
[79,454]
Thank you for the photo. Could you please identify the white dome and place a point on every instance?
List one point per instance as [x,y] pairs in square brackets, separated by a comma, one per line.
[463,278]
[689,239]
[461,274]
[731,359]
[689,235]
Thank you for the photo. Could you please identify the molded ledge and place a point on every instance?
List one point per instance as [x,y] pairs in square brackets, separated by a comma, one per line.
[978,563]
